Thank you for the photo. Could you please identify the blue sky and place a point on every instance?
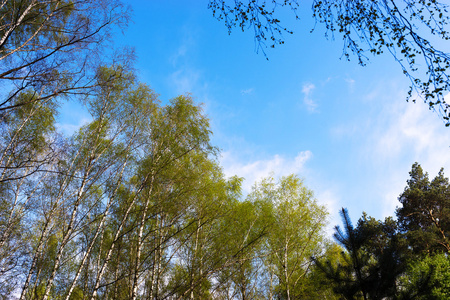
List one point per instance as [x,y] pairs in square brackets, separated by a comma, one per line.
[347,130]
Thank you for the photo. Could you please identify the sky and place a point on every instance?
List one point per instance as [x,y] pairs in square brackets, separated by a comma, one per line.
[346,130]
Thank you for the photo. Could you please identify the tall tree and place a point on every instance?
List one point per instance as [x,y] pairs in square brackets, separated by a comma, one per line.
[49,52]
[295,235]
[50,47]
[241,239]
[425,212]
[372,261]
[27,149]
[76,197]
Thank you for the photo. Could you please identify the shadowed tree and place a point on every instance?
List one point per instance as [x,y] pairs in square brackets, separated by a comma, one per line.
[424,215]
[372,261]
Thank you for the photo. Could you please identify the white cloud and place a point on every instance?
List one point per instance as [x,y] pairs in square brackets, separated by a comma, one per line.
[328,198]
[69,129]
[414,129]
[247,91]
[254,171]
[351,84]
[381,143]
[307,90]
[188,44]
[403,134]
[184,80]
[179,54]
[350,81]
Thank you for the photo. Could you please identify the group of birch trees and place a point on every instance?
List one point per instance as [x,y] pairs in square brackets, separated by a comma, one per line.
[133,205]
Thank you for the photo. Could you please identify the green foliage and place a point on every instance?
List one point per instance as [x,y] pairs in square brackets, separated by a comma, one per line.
[428,278]
[424,215]
[47,45]
[240,240]
[295,232]
[372,260]
[318,285]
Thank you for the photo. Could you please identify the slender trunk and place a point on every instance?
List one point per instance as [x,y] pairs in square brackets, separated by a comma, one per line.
[102,269]
[35,291]
[159,253]
[243,284]
[286,275]
[271,285]
[139,241]
[153,278]
[116,273]
[36,256]
[99,229]
[67,235]
[157,260]
[195,264]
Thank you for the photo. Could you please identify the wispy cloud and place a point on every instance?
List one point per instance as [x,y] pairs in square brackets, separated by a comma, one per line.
[184,80]
[69,129]
[185,77]
[330,199]
[403,134]
[254,171]
[188,43]
[307,91]
[351,83]
[247,91]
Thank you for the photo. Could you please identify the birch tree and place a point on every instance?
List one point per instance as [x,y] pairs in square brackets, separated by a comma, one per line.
[296,235]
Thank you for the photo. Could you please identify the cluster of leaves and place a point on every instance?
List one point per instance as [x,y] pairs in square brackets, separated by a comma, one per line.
[52,48]
[411,31]
[401,28]
[257,15]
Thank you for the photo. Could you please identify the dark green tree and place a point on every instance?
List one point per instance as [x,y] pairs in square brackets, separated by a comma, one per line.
[372,260]
[388,249]
[424,216]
